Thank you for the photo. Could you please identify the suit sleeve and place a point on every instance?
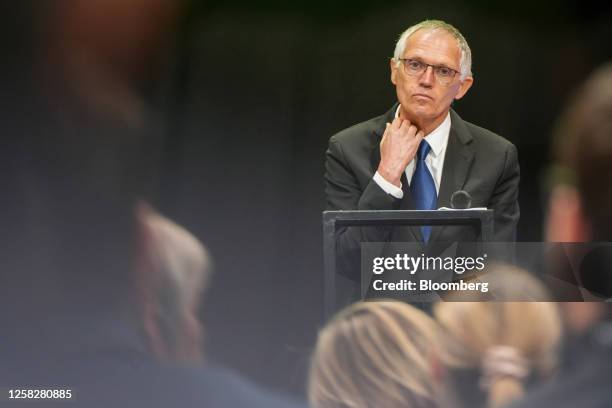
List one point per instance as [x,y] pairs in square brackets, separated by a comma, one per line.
[343,192]
[504,200]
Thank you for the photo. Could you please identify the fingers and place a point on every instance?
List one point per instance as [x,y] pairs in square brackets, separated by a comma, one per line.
[384,137]
[407,129]
[417,138]
[412,131]
[396,124]
[398,147]
[402,127]
[386,132]
[402,124]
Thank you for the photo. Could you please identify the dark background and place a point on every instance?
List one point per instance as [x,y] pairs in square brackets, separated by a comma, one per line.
[249,93]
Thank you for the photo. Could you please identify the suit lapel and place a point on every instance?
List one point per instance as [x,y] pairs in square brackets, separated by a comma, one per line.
[457,163]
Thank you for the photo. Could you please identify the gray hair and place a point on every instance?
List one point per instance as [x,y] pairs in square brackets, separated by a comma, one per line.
[466,54]
[182,270]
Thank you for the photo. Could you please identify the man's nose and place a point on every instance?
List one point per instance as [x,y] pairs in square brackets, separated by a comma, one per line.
[427,77]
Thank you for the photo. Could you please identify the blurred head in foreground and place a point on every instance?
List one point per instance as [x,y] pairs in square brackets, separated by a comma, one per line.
[76,152]
[376,354]
[580,203]
[503,344]
[172,271]
[580,200]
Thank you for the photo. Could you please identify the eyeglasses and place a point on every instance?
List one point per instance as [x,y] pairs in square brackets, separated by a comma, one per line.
[444,75]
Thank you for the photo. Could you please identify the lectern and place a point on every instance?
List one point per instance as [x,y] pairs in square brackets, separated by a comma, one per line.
[332,220]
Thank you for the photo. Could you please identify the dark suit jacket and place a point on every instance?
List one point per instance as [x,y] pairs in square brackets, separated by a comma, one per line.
[477,161]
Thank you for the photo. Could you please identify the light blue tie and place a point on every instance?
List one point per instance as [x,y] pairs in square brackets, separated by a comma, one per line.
[422,186]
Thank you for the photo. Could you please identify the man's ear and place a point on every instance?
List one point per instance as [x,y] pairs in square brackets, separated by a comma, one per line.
[566,221]
[393,67]
[466,84]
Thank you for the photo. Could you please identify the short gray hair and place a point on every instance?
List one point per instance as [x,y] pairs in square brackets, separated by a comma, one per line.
[181,267]
[466,54]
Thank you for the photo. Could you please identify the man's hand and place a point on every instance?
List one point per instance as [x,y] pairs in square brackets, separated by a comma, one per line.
[397,148]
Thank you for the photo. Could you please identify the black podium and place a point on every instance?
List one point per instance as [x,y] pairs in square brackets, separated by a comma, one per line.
[332,220]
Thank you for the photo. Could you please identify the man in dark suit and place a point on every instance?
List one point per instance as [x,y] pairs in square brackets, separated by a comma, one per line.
[420,152]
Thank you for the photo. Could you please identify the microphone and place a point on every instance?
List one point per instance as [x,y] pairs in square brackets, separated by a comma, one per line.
[461,200]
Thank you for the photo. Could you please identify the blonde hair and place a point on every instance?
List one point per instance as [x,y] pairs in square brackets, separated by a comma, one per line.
[530,330]
[375,354]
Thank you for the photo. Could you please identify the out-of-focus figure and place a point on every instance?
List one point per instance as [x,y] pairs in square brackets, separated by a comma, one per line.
[579,210]
[172,271]
[78,148]
[479,353]
[99,53]
[500,349]
[94,298]
[378,354]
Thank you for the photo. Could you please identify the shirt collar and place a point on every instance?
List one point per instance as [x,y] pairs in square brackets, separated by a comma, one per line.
[438,138]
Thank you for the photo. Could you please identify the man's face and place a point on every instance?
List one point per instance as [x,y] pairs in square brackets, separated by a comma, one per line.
[424,100]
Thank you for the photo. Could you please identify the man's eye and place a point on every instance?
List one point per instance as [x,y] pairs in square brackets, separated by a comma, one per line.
[415,65]
[444,72]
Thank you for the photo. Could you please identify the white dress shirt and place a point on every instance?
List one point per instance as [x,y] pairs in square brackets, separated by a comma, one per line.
[438,140]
